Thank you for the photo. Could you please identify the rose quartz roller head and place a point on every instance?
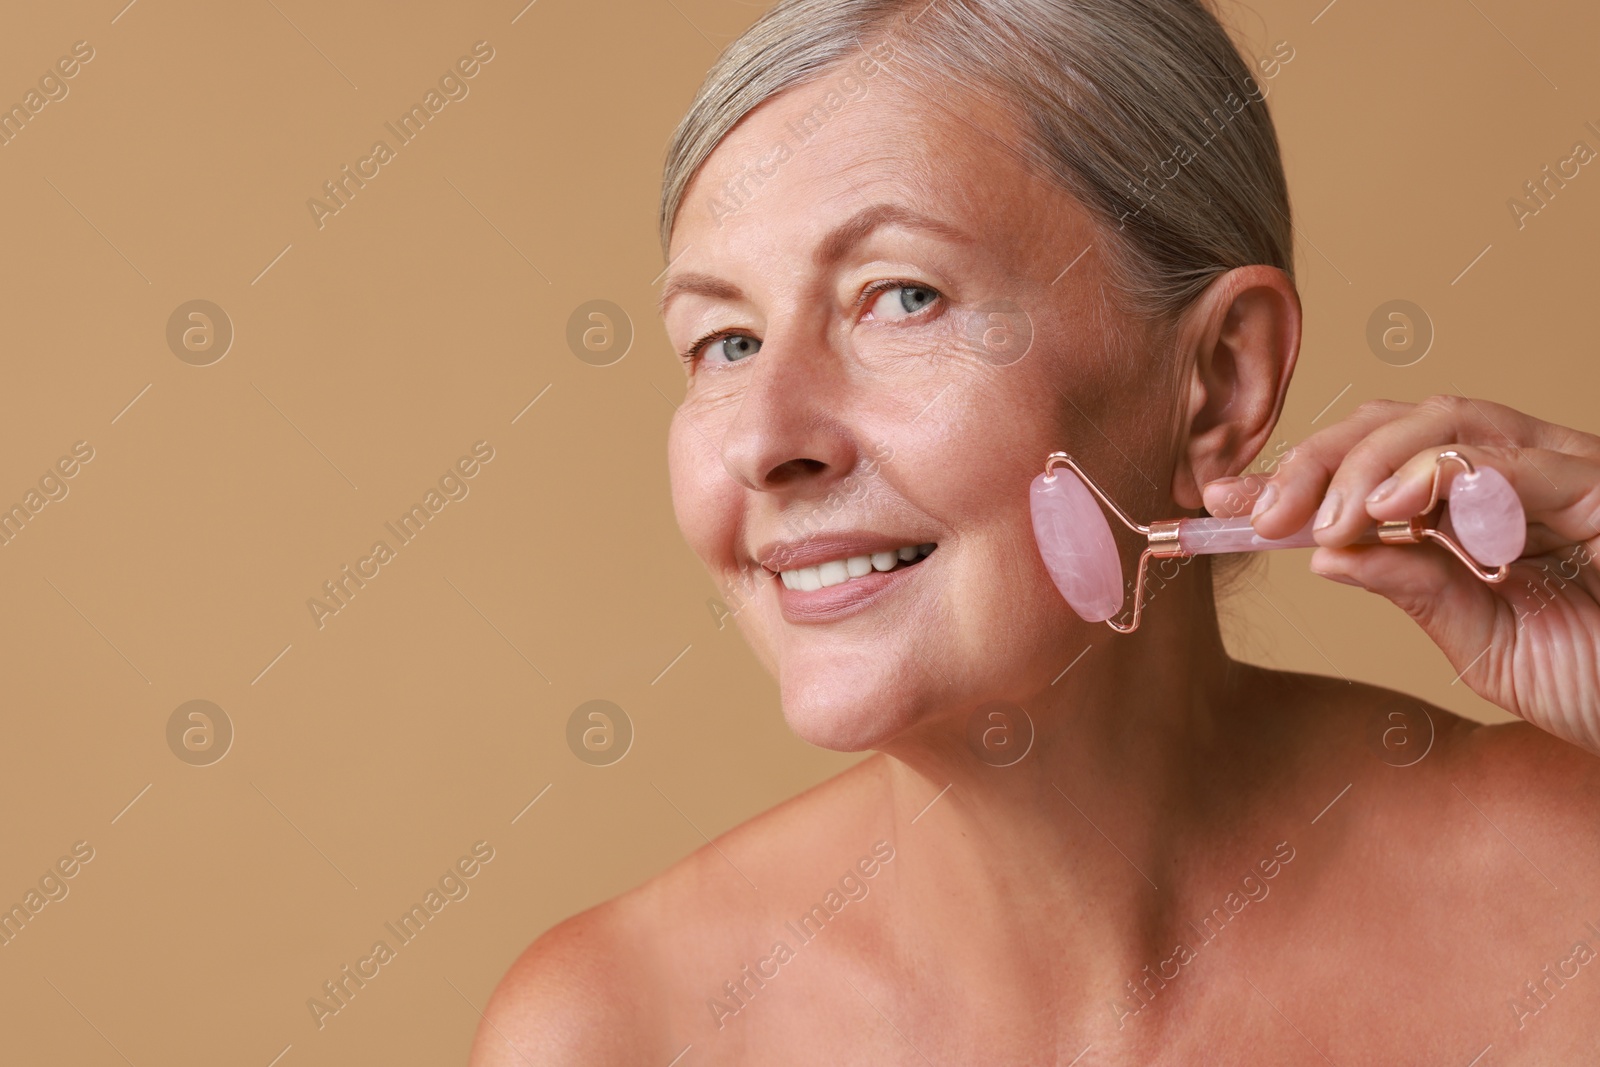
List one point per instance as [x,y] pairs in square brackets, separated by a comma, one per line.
[1486,517]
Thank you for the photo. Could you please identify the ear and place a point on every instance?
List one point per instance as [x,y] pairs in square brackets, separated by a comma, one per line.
[1240,338]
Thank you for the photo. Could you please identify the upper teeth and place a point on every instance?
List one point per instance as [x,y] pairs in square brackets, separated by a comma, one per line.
[807,579]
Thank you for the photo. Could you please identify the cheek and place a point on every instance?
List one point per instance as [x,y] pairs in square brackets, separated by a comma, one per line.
[704,498]
[992,443]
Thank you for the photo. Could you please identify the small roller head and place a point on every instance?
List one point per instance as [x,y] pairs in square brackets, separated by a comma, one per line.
[1487,517]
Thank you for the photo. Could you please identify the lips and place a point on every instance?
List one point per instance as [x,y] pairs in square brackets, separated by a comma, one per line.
[778,556]
[829,577]
[839,571]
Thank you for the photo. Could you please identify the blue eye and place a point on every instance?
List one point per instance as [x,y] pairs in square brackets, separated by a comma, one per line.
[900,299]
[734,346]
[718,341]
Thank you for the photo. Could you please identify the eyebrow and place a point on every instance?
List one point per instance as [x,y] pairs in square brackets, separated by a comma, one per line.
[834,247]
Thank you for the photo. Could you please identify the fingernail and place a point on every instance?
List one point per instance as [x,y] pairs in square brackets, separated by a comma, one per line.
[1344,579]
[1268,497]
[1329,510]
[1385,487]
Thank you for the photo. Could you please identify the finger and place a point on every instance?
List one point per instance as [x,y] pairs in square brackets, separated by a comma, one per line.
[1438,421]
[1543,541]
[1227,497]
[1558,491]
[1298,484]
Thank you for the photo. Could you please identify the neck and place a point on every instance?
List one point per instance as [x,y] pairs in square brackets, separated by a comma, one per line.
[1095,820]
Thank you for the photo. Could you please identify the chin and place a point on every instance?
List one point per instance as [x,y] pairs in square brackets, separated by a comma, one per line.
[841,711]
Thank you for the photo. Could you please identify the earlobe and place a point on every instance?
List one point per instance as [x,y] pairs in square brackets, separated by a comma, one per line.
[1240,339]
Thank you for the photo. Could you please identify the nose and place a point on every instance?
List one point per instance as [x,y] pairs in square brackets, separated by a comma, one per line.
[790,429]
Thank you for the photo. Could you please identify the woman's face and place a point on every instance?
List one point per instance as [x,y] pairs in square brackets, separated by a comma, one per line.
[879,382]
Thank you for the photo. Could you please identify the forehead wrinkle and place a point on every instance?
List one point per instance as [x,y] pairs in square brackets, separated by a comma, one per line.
[899,168]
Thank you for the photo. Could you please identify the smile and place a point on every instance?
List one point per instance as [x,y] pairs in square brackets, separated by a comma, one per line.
[840,571]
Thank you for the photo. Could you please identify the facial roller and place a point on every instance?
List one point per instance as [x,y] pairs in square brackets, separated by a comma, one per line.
[1486,516]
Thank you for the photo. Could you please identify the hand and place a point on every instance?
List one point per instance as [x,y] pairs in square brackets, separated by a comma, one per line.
[1530,644]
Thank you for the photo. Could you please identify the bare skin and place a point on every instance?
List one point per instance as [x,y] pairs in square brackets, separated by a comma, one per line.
[1247,835]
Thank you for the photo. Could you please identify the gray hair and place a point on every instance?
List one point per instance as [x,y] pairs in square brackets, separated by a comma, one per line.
[1142,110]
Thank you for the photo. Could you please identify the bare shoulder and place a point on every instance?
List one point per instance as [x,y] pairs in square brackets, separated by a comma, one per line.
[610,984]
[563,1000]
[1467,789]
[1537,779]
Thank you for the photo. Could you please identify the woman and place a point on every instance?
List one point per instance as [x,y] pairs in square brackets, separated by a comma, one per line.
[913,249]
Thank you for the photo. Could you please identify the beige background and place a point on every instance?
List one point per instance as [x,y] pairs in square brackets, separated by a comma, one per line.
[425,316]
